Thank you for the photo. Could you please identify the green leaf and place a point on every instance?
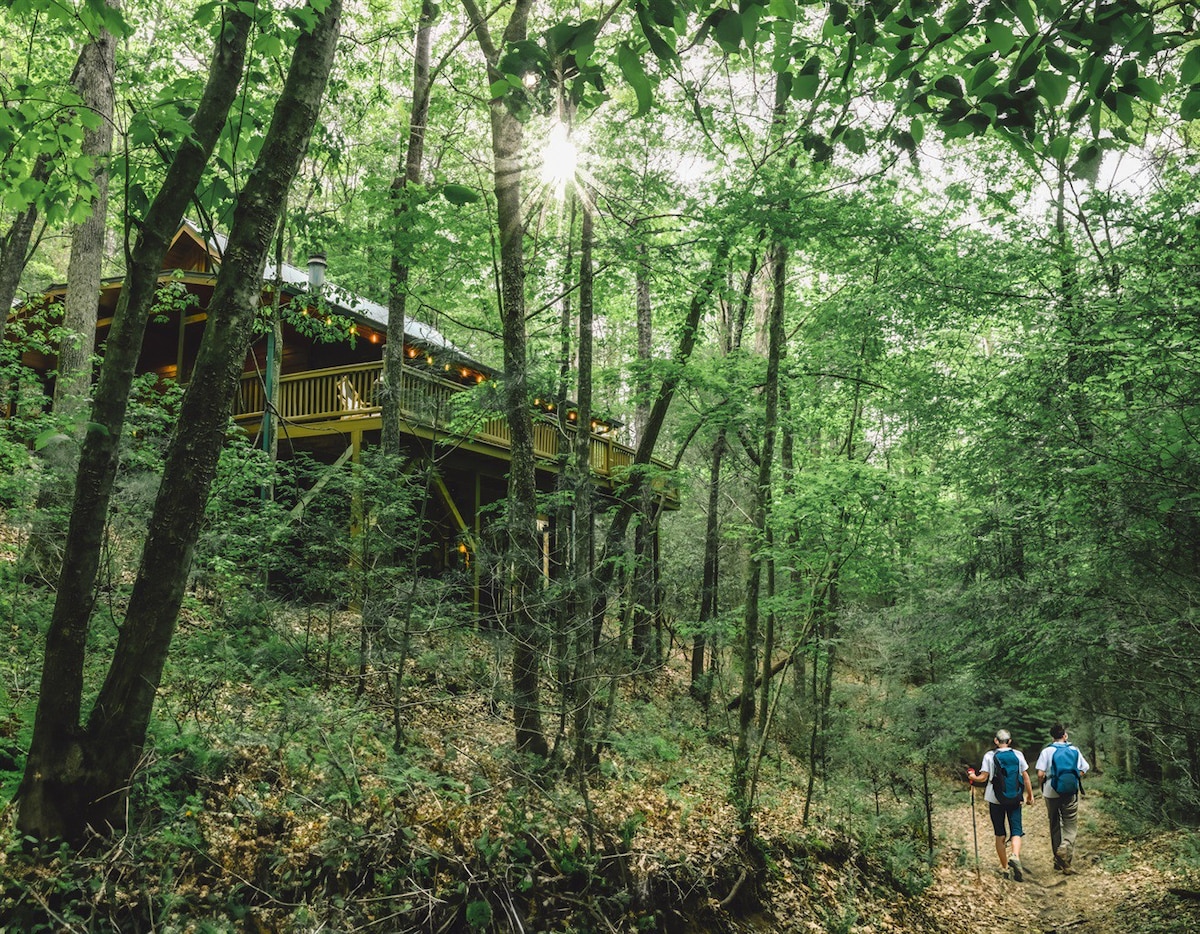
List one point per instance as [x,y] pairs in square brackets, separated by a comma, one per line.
[48,437]
[1001,36]
[1052,87]
[958,17]
[749,18]
[1061,60]
[658,45]
[1145,88]
[1027,15]
[1123,107]
[204,13]
[983,72]
[631,67]
[460,194]
[499,88]
[1190,108]
[1059,147]
[804,87]
[1088,164]
[1189,71]
[729,31]
[268,45]
[949,85]
[898,65]
[855,140]
[560,38]
[663,12]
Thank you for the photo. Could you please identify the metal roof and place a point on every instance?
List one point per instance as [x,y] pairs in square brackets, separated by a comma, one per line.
[342,301]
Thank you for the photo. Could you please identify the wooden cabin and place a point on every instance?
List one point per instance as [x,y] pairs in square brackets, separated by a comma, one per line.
[331,367]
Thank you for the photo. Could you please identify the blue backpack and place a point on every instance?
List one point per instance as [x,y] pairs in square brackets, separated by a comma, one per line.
[1064,770]
[1006,777]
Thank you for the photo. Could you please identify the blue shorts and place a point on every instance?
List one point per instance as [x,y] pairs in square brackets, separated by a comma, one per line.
[999,812]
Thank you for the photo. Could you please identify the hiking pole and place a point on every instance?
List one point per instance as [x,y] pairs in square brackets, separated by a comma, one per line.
[974,828]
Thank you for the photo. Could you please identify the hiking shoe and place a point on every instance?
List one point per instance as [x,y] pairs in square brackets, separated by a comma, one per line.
[1018,876]
[1063,855]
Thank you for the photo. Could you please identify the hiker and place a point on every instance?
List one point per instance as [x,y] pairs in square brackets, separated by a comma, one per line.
[1005,775]
[1060,769]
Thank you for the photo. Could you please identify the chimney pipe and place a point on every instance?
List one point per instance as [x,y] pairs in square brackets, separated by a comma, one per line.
[316,271]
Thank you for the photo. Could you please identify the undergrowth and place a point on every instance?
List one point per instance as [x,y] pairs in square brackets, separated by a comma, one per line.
[275,794]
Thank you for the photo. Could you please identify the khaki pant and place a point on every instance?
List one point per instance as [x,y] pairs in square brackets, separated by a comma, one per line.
[1064,819]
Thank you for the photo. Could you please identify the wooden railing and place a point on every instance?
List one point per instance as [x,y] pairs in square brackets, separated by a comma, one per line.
[349,392]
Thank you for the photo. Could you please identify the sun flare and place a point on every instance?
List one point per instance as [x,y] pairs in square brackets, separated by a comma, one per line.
[560,159]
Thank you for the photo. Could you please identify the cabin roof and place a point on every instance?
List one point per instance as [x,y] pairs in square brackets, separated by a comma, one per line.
[342,301]
[191,251]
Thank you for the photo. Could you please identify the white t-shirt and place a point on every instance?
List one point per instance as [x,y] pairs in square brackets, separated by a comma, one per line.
[1046,759]
[989,795]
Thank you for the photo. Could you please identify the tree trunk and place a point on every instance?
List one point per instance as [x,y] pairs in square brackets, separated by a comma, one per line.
[643,616]
[55,753]
[78,778]
[619,524]
[562,557]
[402,248]
[709,604]
[768,668]
[761,516]
[94,82]
[585,655]
[14,249]
[523,623]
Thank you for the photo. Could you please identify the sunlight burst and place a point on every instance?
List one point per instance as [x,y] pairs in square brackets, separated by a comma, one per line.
[559,160]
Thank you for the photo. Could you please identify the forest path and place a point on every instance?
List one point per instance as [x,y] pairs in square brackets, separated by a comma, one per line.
[1117,881]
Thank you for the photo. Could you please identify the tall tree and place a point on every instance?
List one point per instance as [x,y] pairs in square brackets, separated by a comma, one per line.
[402,245]
[523,616]
[78,777]
[94,79]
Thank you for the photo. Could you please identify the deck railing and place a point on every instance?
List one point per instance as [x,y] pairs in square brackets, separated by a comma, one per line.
[349,392]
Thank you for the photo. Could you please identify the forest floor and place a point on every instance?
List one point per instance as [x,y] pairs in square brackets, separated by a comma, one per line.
[272,800]
[1121,883]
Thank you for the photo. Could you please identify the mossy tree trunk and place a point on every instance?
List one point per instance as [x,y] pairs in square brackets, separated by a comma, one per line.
[77,777]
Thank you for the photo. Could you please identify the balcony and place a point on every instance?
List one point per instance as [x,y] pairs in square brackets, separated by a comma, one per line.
[349,397]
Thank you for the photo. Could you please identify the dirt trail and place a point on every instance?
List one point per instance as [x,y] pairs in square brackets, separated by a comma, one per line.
[1115,883]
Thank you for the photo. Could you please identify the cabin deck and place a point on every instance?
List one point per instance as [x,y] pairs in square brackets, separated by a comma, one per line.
[347,398]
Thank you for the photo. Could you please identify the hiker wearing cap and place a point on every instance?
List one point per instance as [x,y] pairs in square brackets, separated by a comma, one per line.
[1005,776]
[1060,769]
